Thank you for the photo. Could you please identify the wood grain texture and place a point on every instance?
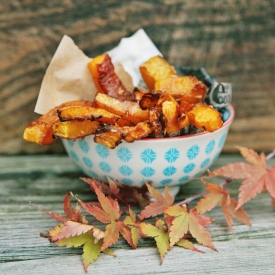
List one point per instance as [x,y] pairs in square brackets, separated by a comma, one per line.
[234,40]
[44,180]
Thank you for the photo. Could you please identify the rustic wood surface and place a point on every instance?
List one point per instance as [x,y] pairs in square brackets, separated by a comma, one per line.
[44,180]
[233,40]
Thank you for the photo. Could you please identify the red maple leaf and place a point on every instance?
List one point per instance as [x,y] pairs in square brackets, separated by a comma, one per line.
[257,176]
[73,214]
[124,193]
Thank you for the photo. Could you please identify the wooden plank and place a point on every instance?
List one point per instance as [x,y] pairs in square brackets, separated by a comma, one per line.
[233,40]
[44,180]
[235,257]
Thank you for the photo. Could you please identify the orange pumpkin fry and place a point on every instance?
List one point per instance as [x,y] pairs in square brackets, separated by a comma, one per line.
[40,131]
[149,100]
[185,106]
[109,139]
[205,117]
[154,119]
[142,129]
[87,112]
[126,109]
[154,69]
[189,88]
[170,116]
[74,129]
[105,78]
[183,121]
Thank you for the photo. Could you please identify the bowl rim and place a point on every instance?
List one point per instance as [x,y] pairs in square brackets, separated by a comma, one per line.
[226,123]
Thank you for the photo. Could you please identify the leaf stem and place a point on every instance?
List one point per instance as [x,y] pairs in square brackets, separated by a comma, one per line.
[188,200]
[270,155]
[225,184]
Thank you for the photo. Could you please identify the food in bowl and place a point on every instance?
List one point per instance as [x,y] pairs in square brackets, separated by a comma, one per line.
[140,135]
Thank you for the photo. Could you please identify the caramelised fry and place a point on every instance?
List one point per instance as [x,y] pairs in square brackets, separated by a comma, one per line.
[154,69]
[74,129]
[205,117]
[142,129]
[149,100]
[106,80]
[183,121]
[164,96]
[189,88]
[127,109]
[185,106]
[40,131]
[87,112]
[111,135]
[170,110]
[110,139]
[154,119]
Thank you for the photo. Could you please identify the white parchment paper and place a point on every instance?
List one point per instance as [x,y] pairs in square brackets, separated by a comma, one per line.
[68,77]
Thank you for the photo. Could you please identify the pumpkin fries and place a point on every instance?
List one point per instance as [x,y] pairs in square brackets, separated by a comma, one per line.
[170,105]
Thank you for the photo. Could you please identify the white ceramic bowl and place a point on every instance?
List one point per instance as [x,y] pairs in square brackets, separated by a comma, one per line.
[161,161]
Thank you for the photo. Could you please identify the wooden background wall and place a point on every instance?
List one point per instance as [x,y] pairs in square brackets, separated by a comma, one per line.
[234,40]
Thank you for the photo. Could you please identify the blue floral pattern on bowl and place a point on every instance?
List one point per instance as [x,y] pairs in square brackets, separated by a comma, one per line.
[148,155]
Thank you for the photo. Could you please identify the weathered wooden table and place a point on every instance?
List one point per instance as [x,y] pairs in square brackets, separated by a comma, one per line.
[45,179]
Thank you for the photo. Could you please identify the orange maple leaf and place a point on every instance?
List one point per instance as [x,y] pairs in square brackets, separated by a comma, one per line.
[185,221]
[217,195]
[257,176]
[162,202]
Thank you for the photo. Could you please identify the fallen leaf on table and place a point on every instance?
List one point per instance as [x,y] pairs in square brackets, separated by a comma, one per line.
[160,233]
[217,195]
[157,207]
[133,235]
[188,221]
[125,193]
[257,176]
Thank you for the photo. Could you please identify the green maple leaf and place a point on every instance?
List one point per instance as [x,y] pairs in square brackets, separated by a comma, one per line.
[160,234]
[91,245]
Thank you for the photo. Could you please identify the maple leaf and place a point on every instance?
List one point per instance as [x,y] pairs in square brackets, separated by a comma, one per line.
[109,209]
[217,195]
[185,221]
[256,176]
[108,212]
[133,235]
[124,193]
[159,233]
[75,214]
[187,245]
[71,229]
[72,214]
[91,245]
[162,202]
